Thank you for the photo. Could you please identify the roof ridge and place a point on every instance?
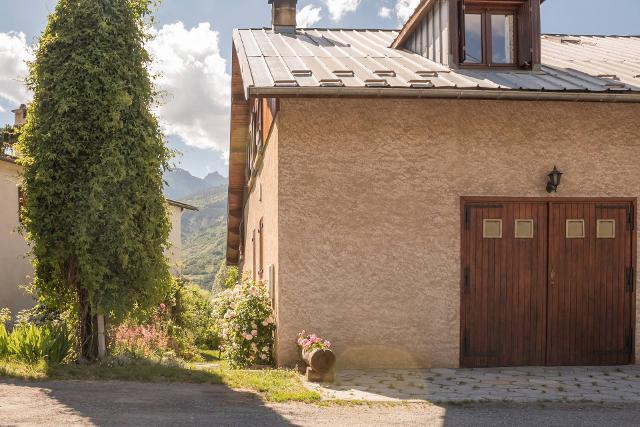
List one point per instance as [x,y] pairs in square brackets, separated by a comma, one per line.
[592,35]
[323,29]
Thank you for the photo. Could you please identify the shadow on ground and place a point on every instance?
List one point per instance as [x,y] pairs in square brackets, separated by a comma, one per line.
[116,403]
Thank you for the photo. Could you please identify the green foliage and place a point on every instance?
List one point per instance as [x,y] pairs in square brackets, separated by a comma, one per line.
[247,323]
[4,341]
[93,157]
[31,343]
[193,313]
[226,278]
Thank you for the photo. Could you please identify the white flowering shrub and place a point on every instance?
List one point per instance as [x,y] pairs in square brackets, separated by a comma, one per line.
[247,324]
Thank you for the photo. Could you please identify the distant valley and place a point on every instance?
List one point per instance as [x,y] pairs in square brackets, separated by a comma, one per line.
[203,232]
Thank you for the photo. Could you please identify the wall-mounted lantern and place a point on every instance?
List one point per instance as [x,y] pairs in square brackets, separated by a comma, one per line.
[554,180]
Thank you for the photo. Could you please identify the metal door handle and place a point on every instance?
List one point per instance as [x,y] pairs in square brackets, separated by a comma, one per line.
[552,277]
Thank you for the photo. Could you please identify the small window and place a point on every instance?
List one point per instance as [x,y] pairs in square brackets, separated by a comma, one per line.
[575,229]
[606,229]
[492,229]
[524,229]
[489,36]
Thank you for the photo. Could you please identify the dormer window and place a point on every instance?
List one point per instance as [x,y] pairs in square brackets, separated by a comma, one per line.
[489,37]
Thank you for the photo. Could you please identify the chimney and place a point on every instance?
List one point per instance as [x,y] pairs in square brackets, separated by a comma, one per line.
[20,115]
[283,15]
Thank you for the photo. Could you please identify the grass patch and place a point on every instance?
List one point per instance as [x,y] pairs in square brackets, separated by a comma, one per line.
[210,355]
[275,385]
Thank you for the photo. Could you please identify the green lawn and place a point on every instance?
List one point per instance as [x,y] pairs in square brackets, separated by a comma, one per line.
[275,385]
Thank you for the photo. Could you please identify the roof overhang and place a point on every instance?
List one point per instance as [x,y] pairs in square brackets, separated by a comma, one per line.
[182,205]
[621,96]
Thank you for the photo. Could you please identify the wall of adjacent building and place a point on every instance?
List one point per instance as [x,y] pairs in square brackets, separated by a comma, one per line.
[15,267]
[174,252]
[369,208]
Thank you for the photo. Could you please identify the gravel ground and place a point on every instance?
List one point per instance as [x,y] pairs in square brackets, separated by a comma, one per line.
[123,403]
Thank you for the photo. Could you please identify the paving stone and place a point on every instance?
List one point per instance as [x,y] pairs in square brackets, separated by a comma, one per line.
[513,384]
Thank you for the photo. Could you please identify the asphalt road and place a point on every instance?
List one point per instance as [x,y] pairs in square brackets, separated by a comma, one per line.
[122,403]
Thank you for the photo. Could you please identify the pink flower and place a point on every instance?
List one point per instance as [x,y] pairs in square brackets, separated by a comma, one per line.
[327,343]
[162,306]
[248,337]
[254,333]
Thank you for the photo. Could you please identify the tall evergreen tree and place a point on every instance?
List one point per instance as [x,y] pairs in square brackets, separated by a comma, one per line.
[93,157]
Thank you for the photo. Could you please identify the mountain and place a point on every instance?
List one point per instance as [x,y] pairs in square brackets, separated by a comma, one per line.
[203,232]
[215,179]
[180,184]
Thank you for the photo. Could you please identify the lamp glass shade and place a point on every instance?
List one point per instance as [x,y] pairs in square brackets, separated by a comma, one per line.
[555,176]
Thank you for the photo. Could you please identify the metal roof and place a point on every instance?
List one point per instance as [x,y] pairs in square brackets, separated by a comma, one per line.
[338,61]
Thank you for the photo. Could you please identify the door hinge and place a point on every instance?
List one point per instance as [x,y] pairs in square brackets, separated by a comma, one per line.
[630,279]
[467,281]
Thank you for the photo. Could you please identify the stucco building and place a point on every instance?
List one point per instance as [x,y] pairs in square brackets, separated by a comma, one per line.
[15,264]
[396,188]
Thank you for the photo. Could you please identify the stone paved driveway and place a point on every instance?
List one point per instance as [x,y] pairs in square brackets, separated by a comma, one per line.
[535,384]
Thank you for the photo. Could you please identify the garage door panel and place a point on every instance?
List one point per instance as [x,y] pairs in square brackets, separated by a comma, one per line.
[503,295]
[589,306]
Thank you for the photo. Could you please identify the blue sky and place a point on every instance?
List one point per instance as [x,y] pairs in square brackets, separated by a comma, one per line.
[194,43]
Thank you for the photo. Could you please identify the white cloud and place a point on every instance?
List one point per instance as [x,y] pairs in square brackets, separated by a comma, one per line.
[308,16]
[385,12]
[14,52]
[338,8]
[405,8]
[198,89]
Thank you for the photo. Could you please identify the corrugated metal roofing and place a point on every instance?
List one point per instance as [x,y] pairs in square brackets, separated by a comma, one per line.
[338,58]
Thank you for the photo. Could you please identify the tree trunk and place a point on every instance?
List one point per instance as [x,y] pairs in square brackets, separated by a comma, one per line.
[87,319]
[88,328]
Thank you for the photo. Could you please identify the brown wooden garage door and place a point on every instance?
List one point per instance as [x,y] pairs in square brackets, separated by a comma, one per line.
[547,283]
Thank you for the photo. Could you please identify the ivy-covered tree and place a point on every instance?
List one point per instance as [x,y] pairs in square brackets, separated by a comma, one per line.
[93,157]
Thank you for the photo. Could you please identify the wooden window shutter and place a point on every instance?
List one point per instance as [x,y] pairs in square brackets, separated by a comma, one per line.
[261,234]
[461,48]
[253,258]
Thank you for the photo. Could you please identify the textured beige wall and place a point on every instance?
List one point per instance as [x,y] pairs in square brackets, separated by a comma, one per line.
[369,212]
[267,208]
[174,252]
[15,269]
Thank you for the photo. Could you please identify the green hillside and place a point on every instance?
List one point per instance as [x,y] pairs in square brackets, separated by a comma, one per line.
[204,235]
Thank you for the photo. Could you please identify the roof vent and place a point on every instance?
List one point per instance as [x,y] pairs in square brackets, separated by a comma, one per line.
[331,83]
[344,73]
[283,17]
[301,73]
[570,40]
[376,83]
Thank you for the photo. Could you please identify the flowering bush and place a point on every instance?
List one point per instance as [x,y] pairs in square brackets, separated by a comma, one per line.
[247,323]
[312,342]
[140,341]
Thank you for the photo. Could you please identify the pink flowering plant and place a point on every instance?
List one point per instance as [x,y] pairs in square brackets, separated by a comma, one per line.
[247,324]
[140,341]
[310,342]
